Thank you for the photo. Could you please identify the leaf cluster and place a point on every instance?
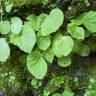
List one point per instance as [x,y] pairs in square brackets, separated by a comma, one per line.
[40,37]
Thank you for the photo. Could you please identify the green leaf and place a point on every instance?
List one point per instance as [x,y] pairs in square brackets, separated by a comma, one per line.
[49,55]
[63,46]
[77,21]
[32,21]
[67,93]
[36,65]
[81,49]
[4,27]
[56,94]
[90,21]
[90,93]
[52,22]
[64,61]
[14,39]
[4,50]
[40,20]
[35,84]
[77,46]
[16,25]
[8,7]
[26,40]
[84,50]
[76,31]
[43,42]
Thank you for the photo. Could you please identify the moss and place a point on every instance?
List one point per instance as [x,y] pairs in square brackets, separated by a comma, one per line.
[14,77]
[1,81]
[54,84]
[19,3]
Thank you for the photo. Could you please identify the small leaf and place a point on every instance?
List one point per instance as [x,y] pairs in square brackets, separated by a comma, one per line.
[90,21]
[14,39]
[41,19]
[84,50]
[76,31]
[64,61]
[77,21]
[52,22]
[16,25]
[8,7]
[4,50]
[63,46]
[36,65]
[49,55]
[43,42]
[81,49]
[32,21]
[57,94]
[26,40]
[4,27]
[67,93]
[77,46]
[90,93]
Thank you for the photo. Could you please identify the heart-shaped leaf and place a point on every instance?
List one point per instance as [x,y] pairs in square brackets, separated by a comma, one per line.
[26,40]
[36,65]
[63,45]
